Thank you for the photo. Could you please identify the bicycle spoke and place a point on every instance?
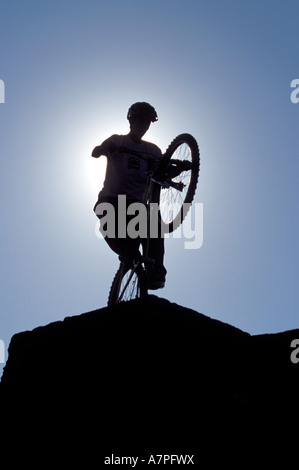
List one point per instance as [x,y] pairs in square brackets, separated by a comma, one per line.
[171,200]
[129,288]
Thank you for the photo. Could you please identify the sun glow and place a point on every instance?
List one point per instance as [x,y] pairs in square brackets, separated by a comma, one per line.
[95,173]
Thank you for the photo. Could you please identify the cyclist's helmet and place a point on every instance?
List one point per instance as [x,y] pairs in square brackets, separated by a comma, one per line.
[142,109]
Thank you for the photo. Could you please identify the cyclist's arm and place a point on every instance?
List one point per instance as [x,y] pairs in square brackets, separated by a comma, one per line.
[106,148]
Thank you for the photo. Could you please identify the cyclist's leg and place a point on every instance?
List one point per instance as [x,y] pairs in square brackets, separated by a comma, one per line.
[116,244]
[124,247]
[158,272]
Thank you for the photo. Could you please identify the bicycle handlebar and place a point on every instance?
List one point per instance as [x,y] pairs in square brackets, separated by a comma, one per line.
[165,183]
[122,149]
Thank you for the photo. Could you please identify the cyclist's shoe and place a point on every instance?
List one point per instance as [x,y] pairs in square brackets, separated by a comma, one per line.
[157,279]
[176,167]
[154,285]
[186,165]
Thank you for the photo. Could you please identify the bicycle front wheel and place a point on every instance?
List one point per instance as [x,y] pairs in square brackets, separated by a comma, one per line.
[128,284]
[175,201]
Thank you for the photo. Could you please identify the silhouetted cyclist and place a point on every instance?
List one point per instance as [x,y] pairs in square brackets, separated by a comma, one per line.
[126,175]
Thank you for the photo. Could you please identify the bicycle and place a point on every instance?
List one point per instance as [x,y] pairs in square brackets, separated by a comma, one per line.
[172,187]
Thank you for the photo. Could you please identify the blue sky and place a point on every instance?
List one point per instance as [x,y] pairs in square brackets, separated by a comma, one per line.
[218,70]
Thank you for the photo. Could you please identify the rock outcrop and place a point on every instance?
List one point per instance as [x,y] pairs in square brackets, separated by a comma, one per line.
[150,377]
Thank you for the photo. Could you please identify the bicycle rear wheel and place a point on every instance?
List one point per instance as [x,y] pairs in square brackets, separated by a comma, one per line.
[175,201]
[128,284]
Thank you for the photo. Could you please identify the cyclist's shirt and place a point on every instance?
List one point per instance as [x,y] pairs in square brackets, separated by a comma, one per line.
[126,173]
